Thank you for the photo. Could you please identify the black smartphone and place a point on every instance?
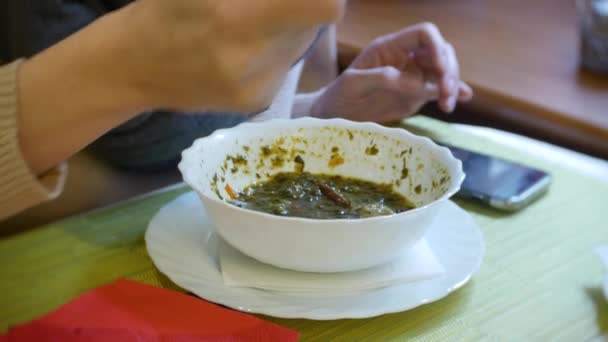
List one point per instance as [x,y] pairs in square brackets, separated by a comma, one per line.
[498,182]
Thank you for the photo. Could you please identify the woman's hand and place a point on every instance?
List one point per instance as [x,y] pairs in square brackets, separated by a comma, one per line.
[395,76]
[209,54]
[177,54]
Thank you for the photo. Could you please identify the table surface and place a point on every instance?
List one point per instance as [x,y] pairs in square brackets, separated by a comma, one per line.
[520,56]
[539,279]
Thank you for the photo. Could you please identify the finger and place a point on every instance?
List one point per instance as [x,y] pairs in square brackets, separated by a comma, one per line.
[413,85]
[429,91]
[453,66]
[394,116]
[465,92]
[450,80]
[430,39]
[407,84]
[413,100]
[422,57]
[425,36]
[386,77]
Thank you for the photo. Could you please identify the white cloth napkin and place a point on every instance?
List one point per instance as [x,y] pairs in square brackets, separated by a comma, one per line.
[602,252]
[417,263]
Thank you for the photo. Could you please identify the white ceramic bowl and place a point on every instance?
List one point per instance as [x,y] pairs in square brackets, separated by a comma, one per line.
[422,171]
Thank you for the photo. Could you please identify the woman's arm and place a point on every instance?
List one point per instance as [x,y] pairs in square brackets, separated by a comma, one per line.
[183,55]
[19,188]
[151,54]
[72,93]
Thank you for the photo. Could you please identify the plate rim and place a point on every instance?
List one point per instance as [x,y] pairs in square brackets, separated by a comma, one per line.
[309,314]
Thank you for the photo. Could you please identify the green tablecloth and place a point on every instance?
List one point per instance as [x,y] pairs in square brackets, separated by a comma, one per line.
[539,279]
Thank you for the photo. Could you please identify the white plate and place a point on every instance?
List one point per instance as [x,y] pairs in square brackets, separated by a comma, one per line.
[602,252]
[183,246]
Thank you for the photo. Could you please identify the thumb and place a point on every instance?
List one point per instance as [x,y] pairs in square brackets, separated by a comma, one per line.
[386,77]
[392,79]
[426,90]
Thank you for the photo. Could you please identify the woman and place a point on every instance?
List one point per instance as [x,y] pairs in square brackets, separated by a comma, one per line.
[188,55]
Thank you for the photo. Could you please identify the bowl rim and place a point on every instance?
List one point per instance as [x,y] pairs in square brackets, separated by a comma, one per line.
[188,155]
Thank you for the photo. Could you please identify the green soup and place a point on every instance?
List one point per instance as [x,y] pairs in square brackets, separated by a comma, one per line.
[321,196]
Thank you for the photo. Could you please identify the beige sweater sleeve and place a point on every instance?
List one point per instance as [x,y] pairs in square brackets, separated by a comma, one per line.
[19,187]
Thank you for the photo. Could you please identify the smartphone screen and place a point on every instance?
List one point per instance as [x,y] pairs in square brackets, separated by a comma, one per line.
[491,178]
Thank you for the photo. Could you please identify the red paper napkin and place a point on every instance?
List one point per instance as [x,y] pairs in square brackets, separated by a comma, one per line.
[130,311]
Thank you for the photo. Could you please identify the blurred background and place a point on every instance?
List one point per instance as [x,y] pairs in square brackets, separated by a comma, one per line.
[522,57]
